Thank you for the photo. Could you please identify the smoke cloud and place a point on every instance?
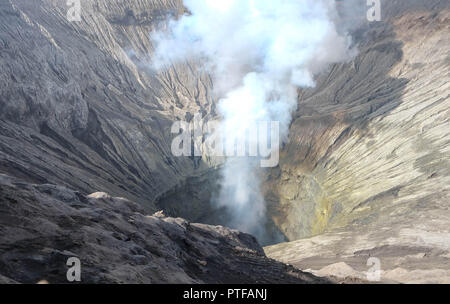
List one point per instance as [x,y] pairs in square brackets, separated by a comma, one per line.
[258,52]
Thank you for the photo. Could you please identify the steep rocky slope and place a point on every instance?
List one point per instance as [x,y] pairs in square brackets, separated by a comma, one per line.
[79,105]
[367,168]
[45,225]
[373,130]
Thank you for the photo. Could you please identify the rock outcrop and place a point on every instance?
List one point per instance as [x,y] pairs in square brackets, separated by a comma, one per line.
[45,225]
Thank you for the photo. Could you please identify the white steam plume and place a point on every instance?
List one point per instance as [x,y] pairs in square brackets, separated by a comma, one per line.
[259,52]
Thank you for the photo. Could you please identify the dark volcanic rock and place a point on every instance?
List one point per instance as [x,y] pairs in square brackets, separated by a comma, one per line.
[42,226]
[79,105]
